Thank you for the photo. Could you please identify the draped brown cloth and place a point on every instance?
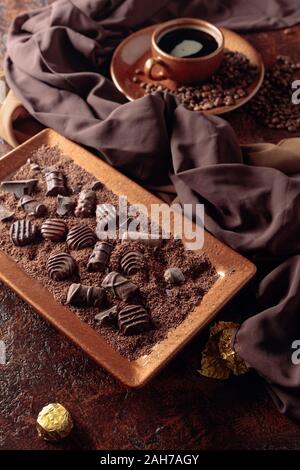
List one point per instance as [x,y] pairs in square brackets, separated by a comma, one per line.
[56,64]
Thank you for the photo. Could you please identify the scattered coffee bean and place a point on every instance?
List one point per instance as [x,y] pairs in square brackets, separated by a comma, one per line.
[54,229]
[5,214]
[65,205]
[32,206]
[225,87]
[76,188]
[133,319]
[85,296]
[23,232]
[272,105]
[80,236]
[132,262]
[35,167]
[61,266]
[108,315]
[19,187]
[100,256]
[55,181]
[119,285]
[174,276]
[86,204]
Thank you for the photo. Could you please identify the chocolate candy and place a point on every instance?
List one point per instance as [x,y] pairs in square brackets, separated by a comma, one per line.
[174,276]
[85,296]
[80,236]
[86,204]
[107,217]
[61,266]
[141,237]
[108,315]
[120,286]
[99,259]
[65,205]
[54,230]
[96,185]
[19,187]
[132,262]
[32,206]
[23,232]
[5,214]
[55,181]
[54,422]
[133,319]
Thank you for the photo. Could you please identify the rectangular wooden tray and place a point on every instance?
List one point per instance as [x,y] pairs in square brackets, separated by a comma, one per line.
[235,270]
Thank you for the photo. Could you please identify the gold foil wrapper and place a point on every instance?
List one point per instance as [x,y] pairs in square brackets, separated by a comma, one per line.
[54,422]
[219,359]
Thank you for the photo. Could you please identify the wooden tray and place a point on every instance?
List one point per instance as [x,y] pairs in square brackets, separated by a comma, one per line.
[235,272]
[133,51]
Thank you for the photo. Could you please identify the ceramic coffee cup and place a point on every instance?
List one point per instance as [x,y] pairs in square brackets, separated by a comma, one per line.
[185,70]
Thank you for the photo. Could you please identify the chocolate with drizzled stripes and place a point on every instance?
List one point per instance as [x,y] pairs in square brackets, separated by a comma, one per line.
[23,232]
[56,183]
[80,236]
[86,204]
[133,319]
[119,285]
[99,259]
[85,296]
[61,266]
[54,230]
[131,262]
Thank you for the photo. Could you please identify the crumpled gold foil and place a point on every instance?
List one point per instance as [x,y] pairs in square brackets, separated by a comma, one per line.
[54,422]
[219,360]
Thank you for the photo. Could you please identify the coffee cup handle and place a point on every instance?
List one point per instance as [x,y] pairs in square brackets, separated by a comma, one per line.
[150,64]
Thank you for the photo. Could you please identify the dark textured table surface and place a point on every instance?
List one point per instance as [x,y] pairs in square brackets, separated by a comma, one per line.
[177,410]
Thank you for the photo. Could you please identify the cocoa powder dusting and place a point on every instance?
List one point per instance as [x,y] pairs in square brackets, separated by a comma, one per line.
[167,305]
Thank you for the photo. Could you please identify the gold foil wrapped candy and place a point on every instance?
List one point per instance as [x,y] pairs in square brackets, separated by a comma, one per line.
[219,359]
[54,422]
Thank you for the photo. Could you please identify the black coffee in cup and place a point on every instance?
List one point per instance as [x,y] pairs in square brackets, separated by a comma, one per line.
[188,42]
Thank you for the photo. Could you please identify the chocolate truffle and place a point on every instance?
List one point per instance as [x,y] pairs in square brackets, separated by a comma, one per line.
[54,230]
[23,232]
[80,236]
[86,204]
[99,259]
[61,266]
[120,286]
[132,262]
[133,319]
[85,296]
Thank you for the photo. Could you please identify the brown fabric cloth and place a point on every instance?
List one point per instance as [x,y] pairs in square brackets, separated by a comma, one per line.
[54,60]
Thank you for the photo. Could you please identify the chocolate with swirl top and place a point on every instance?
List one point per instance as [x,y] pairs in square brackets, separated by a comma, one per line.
[23,232]
[54,230]
[80,236]
[85,296]
[119,285]
[61,266]
[86,204]
[133,319]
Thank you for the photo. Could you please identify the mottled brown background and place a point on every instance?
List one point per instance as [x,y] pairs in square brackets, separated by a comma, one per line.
[177,410]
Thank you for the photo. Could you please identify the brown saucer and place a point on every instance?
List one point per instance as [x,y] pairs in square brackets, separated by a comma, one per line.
[133,52]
